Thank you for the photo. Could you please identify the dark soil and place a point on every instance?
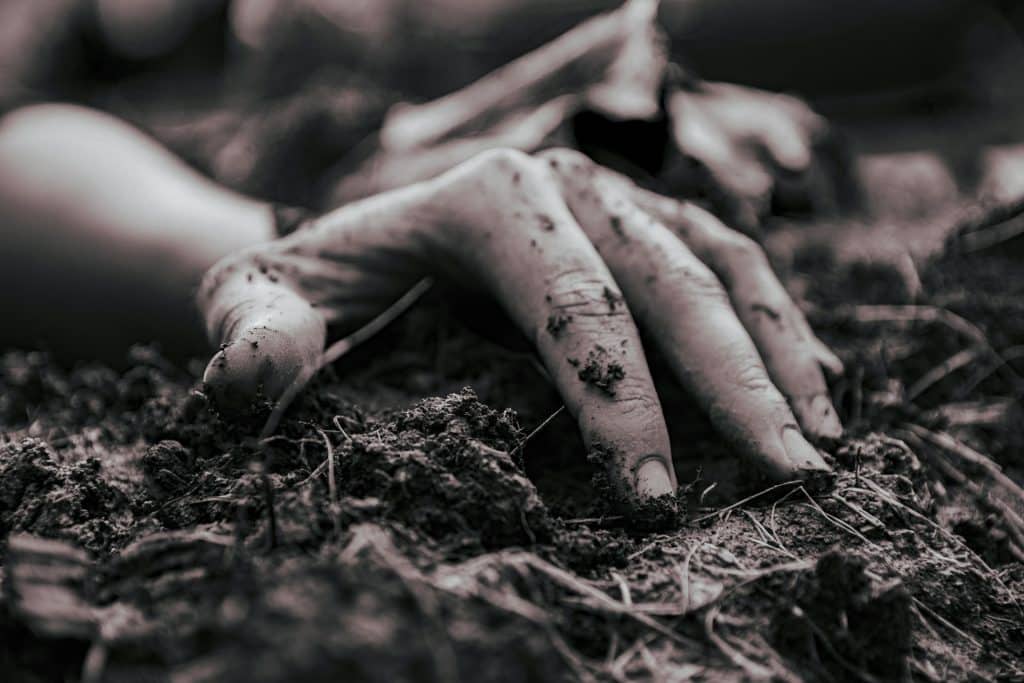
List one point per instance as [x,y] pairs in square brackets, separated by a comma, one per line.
[399,526]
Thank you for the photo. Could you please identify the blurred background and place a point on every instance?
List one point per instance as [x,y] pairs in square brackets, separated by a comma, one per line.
[929,92]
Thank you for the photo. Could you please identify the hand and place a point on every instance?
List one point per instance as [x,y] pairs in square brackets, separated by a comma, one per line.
[578,257]
[757,146]
[747,151]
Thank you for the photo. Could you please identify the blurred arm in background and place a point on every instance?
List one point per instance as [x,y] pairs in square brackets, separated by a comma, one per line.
[279,91]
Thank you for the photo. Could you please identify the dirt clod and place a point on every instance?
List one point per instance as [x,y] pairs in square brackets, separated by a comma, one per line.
[601,373]
[557,324]
[841,624]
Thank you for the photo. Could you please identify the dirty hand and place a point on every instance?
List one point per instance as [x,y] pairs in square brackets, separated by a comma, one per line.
[579,258]
[756,147]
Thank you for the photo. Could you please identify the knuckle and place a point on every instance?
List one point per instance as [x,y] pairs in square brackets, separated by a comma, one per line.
[581,289]
[500,170]
[261,262]
[699,282]
[742,249]
[573,170]
[558,157]
[636,398]
[595,306]
[221,272]
[735,256]
[743,255]
[751,376]
[503,160]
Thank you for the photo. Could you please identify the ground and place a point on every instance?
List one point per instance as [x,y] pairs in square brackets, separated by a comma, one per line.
[417,516]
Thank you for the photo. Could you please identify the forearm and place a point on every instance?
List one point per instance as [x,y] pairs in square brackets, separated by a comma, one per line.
[108,232]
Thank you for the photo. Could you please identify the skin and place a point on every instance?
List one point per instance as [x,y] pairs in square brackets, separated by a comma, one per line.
[105,235]
[756,146]
[549,237]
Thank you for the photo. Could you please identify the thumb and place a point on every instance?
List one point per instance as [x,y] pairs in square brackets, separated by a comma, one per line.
[270,337]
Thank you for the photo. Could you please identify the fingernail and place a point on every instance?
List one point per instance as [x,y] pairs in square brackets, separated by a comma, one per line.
[821,409]
[802,455]
[795,158]
[653,478]
[829,360]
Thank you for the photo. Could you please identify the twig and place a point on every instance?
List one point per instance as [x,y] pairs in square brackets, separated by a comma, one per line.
[332,485]
[919,607]
[593,520]
[945,622]
[287,396]
[858,510]
[575,584]
[1000,224]
[417,586]
[627,597]
[910,314]
[522,444]
[313,475]
[739,660]
[650,662]
[878,491]
[684,577]
[944,369]
[746,500]
[838,522]
[370,329]
[1004,494]
[343,346]
[1002,359]
[337,423]
[618,667]
[643,551]
[268,494]
[771,519]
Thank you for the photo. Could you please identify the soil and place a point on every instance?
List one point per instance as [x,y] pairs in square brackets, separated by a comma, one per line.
[401,526]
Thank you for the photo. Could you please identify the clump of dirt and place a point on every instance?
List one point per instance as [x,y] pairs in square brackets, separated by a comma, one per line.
[365,623]
[655,513]
[34,384]
[72,501]
[187,607]
[599,372]
[613,299]
[557,324]
[167,467]
[443,467]
[841,625]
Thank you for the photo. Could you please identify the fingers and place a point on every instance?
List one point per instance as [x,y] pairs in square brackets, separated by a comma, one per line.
[793,355]
[766,150]
[511,231]
[737,181]
[789,147]
[681,301]
[790,129]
